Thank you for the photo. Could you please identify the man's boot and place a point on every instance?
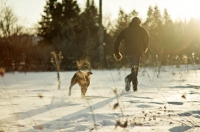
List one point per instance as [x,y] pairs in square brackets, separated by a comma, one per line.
[127,83]
[135,82]
[134,73]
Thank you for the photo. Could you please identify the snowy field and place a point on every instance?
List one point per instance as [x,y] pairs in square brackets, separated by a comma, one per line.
[168,101]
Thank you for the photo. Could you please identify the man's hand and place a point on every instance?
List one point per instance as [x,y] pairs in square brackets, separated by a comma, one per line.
[146,50]
[118,56]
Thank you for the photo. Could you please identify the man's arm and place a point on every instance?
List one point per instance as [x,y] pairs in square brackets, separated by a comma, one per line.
[117,53]
[146,40]
[119,38]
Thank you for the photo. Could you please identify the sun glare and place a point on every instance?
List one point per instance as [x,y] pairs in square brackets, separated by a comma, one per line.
[177,9]
[183,9]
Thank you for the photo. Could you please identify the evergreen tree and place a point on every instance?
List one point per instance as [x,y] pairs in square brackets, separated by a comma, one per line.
[149,20]
[171,38]
[154,25]
[155,28]
[58,26]
[69,28]
[167,19]
[190,39]
[57,16]
[89,32]
[70,9]
[45,29]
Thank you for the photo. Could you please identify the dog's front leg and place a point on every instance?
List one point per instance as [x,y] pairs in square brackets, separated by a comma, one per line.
[69,94]
[83,91]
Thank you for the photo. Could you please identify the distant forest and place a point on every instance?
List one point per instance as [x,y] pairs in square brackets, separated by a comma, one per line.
[65,29]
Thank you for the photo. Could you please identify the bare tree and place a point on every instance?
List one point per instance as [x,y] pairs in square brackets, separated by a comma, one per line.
[12,38]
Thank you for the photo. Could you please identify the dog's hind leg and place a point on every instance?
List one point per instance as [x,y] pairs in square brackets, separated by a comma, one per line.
[73,82]
[82,92]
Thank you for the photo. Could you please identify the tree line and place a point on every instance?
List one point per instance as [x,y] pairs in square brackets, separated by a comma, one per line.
[65,28]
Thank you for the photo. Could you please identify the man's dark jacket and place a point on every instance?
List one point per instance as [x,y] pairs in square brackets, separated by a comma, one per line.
[136,39]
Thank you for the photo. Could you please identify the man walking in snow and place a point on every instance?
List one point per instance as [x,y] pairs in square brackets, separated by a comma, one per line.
[136,43]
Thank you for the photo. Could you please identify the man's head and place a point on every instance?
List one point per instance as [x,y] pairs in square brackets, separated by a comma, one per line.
[135,21]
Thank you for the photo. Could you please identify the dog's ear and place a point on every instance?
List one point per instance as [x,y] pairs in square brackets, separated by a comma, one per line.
[89,73]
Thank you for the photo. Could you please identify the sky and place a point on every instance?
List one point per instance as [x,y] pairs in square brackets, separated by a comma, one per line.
[30,11]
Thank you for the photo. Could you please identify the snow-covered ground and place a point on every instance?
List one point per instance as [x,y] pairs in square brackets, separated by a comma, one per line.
[168,101]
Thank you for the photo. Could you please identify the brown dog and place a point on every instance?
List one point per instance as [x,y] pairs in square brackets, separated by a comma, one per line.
[83,79]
